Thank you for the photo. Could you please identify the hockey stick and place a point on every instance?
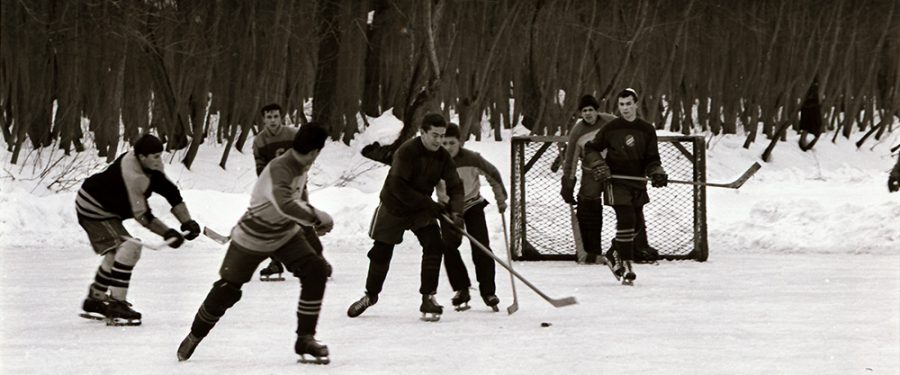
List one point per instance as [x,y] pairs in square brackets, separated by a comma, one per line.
[512,281]
[580,253]
[553,301]
[152,246]
[731,185]
[215,236]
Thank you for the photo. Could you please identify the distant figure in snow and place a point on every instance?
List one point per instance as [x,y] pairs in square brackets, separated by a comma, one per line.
[631,149]
[273,227]
[272,141]
[470,166]
[106,199]
[894,178]
[416,168]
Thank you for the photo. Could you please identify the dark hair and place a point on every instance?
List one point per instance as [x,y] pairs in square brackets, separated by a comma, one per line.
[310,137]
[271,107]
[588,101]
[628,92]
[433,120]
[147,144]
[452,130]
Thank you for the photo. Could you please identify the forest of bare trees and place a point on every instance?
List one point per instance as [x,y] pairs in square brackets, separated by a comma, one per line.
[713,66]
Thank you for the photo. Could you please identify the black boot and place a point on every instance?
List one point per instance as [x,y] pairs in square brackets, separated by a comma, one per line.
[461,300]
[360,306]
[186,349]
[120,313]
[492,301]
[307,345]
[431,311]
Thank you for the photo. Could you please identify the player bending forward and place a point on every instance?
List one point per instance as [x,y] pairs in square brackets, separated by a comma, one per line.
[103,202]
[271,227]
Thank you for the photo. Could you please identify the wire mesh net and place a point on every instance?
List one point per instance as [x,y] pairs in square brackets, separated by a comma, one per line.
[542,223]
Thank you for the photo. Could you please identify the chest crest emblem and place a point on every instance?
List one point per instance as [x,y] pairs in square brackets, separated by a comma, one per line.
[629,140]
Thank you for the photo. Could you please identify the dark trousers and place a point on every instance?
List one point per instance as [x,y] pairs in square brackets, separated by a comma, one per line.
[432,251]
[484,264]
[238,267]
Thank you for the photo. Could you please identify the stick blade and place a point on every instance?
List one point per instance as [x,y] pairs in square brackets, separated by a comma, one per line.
[215,236]
[512,308]
[746,176]
[561,302]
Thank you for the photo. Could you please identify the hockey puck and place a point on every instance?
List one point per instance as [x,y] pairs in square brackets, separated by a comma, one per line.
[545,324]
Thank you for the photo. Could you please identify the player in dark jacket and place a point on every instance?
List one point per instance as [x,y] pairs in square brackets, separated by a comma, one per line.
[631,149]
[273,227]
[416,168]
[471,166]
[105,200]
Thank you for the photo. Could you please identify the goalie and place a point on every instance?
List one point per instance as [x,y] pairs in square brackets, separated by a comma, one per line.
[590,205]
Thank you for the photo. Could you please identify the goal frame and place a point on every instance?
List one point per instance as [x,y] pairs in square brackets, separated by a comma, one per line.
[522,249]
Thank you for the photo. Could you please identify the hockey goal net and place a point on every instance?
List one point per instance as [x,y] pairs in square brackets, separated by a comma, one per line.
[541,223]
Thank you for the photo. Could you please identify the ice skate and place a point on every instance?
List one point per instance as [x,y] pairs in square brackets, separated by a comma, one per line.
[186,349]
[120,313]
[614,263]
[492,301]
[431,311]
[94,309]
[629,277]
[272,272]
[311,351]
[461,300]
[360,306]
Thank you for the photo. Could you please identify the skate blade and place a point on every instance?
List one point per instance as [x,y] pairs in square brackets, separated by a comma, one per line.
[495,308]
[92,316]
[119,322]
[462,307]
[430,317]
[313,360]
[271,278]
[627,282]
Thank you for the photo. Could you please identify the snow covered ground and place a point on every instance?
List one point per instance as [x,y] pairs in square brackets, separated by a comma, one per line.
[803,278]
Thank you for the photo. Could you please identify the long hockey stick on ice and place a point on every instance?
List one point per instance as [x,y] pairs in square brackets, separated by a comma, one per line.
[512,280]
[560,302]
[731,185]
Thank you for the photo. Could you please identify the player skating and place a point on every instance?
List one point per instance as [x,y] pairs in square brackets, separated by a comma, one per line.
[470,166]
[631,150]
[272,227]
[106,199]
[416,168]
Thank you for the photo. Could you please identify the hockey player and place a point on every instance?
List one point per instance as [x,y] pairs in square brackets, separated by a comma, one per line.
[589,211]
[271,227]
[894,178]
[631,149]
[470,165]
[106,199]
[271,142]
[406,204]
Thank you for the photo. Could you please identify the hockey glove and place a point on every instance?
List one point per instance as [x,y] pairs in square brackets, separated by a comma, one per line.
[177,238]
[501,205]
[601,173]
[893,183]
[192,228]
[568,190]
[659,180]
